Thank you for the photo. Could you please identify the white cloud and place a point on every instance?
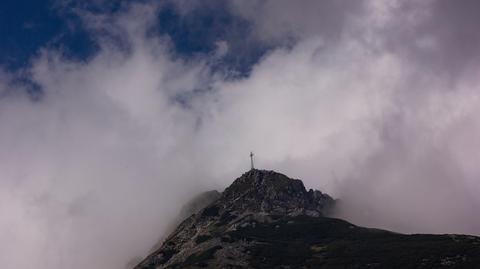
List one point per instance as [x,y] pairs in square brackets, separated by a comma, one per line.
[93,173]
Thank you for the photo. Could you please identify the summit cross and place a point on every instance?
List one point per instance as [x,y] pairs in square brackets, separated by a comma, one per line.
[251,159]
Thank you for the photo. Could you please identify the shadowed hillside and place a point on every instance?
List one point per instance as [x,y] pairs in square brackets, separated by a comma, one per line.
[267,220]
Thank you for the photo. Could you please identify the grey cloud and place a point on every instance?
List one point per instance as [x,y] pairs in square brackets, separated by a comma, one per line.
[93,172]
[274,21]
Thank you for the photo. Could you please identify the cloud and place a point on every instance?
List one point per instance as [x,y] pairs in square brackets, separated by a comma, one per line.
[93,171]
[91,162]
[273,21]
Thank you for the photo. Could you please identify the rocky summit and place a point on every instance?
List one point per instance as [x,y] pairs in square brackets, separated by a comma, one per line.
[267,220]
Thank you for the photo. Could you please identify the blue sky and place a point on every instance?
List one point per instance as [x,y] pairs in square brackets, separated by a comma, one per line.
[29,26]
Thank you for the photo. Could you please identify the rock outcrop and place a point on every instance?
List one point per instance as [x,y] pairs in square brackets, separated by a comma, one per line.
[267,220]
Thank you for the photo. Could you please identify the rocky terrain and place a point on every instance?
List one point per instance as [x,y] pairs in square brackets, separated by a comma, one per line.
[267,220]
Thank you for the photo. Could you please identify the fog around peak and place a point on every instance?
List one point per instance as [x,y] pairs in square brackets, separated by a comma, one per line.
[374,103]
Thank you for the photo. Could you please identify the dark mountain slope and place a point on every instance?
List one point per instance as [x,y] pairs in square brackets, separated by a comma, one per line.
[267,220]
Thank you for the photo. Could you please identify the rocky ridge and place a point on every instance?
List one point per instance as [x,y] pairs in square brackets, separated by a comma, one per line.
[267,220]
[256,196]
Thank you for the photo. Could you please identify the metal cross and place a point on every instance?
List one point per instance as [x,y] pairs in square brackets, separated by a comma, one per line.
[251,159]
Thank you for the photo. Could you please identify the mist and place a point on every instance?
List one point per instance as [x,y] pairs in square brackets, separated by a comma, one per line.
[374,103]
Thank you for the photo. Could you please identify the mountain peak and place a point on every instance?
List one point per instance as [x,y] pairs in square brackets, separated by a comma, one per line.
[255,179]
[265,219]
[257,196]
[264,191]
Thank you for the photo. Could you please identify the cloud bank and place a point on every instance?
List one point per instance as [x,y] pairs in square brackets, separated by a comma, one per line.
[373,103]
